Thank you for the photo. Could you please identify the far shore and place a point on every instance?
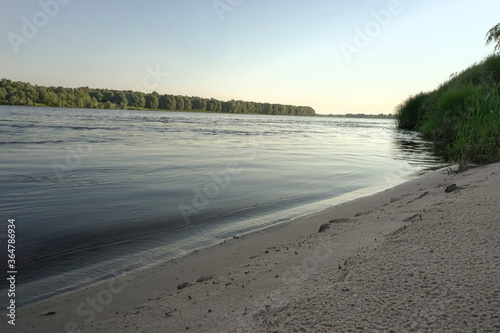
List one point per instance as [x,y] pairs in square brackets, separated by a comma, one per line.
[422,256]
[348,115]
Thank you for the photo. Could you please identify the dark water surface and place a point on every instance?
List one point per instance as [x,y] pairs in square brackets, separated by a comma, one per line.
[100,191]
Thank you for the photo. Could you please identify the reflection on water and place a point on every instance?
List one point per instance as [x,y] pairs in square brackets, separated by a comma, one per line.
[417,151]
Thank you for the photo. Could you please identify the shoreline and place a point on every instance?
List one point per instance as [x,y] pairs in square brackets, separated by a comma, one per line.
[305,210]
[262,279]
[135,267]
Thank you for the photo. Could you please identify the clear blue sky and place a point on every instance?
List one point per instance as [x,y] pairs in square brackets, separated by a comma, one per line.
[278,51]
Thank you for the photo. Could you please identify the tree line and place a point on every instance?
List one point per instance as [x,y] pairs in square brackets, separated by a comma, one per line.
[22,93]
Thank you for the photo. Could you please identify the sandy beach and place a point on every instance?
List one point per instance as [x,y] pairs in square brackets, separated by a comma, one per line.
[423,256]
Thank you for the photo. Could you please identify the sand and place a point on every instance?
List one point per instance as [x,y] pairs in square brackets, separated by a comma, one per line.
[423,256]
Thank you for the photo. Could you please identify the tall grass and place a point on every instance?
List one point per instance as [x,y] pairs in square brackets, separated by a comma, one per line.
[408,112]
[442,119]
[478,140]
[462,114]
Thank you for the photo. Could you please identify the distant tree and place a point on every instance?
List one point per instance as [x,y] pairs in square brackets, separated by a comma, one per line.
[52,99]
[108,96]
[60,91]
[3,94]
[211,105]
[109,105]
[152,101]
[225,107]
[120,99]
[179,101]
[91,103]
[167,102]
[250,107]
[162,102]
[493,36]
[42,95]
[231,106]
[4,83]
[62,97]
[216,105]
[268,108]
[97,95]
[275,109]
[199,103]
[136,99]
[31,94]
[171,104]
[188,103]
[21,93]
[17,97]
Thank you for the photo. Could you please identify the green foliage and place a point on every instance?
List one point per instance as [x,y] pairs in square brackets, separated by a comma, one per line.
[491,66]
[179,102]
[214,105]
[494,36]
[152,101]
[188,105]
[135,99]
[478,139]
[167,102]
[109,105]
[20,93]
[462,114]
[199,103]
[443,122]
[408,113]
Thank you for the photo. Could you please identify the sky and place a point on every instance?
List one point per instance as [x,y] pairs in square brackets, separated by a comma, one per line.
[336,56]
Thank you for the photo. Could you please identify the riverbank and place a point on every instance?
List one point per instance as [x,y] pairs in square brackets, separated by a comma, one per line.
[461,115]
[117,192]
[419,256]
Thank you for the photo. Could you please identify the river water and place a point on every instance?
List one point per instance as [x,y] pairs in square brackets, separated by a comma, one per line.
[100,191]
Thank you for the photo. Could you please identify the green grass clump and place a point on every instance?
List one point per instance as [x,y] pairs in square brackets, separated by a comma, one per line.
[408,112]
[442,119]
[478,140]
[462,115]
